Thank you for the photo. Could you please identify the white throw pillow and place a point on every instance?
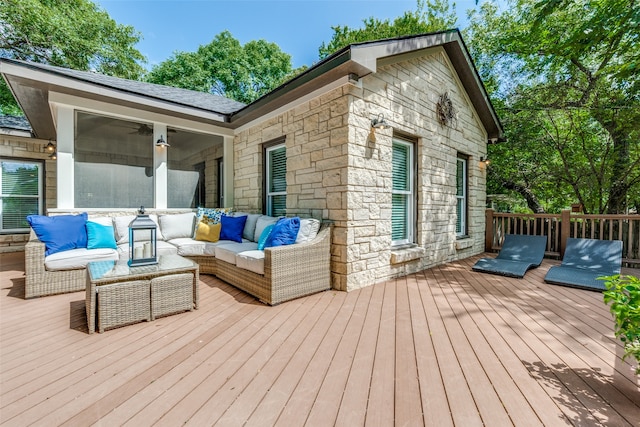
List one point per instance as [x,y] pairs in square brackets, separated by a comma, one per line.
[308,230]
[177,226]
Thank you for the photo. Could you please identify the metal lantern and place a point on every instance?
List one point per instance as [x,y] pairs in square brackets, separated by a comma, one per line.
[142,240]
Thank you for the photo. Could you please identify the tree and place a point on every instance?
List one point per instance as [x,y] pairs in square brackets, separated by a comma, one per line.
[572,66]
[225,67]
[429,16]
[68,33]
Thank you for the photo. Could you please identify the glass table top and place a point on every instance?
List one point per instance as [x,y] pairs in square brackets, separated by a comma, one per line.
[103,270]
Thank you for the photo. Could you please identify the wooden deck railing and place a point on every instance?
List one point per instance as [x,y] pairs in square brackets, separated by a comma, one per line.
[558,228]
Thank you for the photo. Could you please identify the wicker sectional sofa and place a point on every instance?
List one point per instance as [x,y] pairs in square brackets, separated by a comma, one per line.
[274,275]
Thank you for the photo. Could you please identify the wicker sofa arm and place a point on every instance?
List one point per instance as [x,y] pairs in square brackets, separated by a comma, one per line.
[300,269]
[34,251]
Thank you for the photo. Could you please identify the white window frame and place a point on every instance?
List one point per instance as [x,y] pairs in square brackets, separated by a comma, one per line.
[39,197]
[409,239]
[462,198]
[270,194]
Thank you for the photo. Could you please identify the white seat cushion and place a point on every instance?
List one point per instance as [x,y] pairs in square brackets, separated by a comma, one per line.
[251,260]
[228,251]
[78,258]
[188,246]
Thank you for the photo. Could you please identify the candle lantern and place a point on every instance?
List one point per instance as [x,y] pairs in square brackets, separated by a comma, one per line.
[142,240]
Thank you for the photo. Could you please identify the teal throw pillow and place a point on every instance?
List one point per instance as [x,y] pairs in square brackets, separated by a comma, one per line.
[100,236]
[232,227]
[264,236]
[60,233]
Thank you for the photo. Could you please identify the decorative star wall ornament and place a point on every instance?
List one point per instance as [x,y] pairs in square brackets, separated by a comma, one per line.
[447,114]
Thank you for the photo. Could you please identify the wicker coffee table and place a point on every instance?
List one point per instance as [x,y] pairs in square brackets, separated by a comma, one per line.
[118,294]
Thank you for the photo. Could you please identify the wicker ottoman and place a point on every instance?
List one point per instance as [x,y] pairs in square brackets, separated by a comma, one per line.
[123,303]
[171,294]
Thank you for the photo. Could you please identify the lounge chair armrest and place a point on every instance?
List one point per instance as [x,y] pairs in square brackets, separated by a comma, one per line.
[34,256]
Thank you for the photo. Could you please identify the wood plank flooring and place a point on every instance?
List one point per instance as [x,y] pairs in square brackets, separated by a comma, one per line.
[444,347]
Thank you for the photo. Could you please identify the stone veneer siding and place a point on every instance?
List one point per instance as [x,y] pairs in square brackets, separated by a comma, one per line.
[25,148]
[338,170]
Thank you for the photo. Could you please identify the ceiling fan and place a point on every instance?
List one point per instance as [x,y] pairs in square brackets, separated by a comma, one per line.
[145,129]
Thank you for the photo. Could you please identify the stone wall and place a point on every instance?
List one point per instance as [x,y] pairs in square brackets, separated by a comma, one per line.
[339,170]
[406,94]
[25,148]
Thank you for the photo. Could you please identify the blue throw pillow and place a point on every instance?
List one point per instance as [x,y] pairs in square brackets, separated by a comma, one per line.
[232,227]
[264,236]
[284,232]
[100,236]
[60,233]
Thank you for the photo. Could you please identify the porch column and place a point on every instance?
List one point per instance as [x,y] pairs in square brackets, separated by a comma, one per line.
[160,155]
[228,175]
[64,164]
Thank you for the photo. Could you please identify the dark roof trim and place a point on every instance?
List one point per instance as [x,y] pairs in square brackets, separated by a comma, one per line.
[361,59]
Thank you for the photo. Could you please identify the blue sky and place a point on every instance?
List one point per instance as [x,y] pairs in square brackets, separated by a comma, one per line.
[298,26]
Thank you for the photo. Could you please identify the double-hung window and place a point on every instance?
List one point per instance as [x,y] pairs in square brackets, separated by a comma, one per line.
[276,180]
[20,193]
[461,196]
[403,195]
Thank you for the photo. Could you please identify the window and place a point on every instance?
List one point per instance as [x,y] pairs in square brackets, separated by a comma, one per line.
[276,180]
[402,197]
[20,193]
[113,163]
[191,169]
[461,196]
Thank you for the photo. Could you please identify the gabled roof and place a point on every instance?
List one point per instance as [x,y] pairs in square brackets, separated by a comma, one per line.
[31,84]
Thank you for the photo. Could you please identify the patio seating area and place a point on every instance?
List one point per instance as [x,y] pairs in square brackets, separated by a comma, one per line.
[445,346]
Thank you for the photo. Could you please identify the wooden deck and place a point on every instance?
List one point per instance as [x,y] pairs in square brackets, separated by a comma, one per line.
[446,346]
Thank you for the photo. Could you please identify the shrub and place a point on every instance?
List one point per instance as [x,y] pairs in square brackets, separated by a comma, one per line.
[623,294]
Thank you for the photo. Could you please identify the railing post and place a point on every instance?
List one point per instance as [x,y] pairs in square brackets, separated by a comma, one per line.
[565,230]
[488,230]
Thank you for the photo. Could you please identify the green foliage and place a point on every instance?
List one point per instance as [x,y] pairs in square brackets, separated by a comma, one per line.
[559,73]
[623,294]
[68,33]
[225,67]
[430,16]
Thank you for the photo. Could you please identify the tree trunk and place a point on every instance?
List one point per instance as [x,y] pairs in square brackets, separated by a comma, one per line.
[532,200]
[617,128]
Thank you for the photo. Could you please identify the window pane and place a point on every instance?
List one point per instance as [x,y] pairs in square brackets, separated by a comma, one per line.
[278,205]
[459,215]
[15,212]
[401,167]
[460,177]
[278,172]
[399,217]
[20,193]
[20,178]
[113,163]
[192,162]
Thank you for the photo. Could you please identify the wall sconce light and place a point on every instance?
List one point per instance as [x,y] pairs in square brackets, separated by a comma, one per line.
[54,155]
[379,122]
[50,148]
[485,160]
[161,142]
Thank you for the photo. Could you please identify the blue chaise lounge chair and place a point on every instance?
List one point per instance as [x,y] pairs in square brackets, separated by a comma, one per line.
[584,261]
[519,253]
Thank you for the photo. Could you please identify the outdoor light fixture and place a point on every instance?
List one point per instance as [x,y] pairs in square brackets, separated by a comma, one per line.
[161,142]
[54,155]
[379,122]
[485,160]
[50,147]
[143,243]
